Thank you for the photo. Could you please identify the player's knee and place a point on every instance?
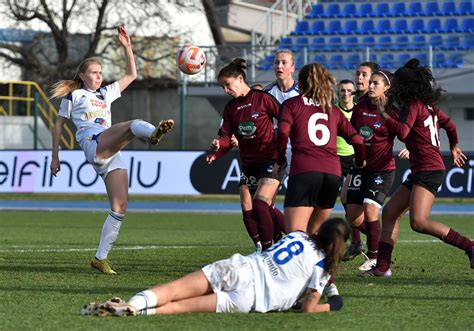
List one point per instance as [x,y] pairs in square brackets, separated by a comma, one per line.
[418,224]
[120,207]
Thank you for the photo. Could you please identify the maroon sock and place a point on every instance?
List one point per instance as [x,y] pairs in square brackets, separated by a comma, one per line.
[362,228]
[373,237]
[251,226]
[262,216]
[384,256]
[458,240]
[278,223]
[355,236]
[330,281]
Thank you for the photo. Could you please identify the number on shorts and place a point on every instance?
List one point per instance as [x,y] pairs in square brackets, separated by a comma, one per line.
[314,128]
[355,180]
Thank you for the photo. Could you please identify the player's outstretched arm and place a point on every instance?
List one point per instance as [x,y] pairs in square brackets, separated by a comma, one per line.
[311,302]
[131,68]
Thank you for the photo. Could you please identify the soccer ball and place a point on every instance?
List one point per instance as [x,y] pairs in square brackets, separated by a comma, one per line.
[191,59]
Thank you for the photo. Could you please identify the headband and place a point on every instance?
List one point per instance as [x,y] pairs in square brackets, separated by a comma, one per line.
[385,75]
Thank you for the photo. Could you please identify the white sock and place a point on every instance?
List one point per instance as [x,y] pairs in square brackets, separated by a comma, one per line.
[143,300]
[141,128]
[110,232]
[150,311]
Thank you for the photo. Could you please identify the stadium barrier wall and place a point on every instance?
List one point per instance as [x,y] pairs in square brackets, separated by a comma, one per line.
[168,172]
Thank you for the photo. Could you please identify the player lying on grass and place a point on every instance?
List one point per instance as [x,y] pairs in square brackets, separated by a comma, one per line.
[299,264]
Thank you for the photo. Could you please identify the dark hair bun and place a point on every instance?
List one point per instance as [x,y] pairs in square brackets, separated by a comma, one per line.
[412,64]
[241,63]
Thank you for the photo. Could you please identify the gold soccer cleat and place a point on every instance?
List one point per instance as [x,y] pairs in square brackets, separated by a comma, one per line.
[163,127]
[103,266]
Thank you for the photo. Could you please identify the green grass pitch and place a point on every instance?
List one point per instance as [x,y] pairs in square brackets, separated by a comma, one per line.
[45,276]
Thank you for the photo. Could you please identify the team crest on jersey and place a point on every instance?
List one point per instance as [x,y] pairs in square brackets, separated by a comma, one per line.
[99,96]
[100,121]
[255,114]
[366,132]
[247,130]
[378,180]
[377,125]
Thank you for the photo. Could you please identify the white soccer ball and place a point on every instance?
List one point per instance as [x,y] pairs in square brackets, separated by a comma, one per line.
[191,59]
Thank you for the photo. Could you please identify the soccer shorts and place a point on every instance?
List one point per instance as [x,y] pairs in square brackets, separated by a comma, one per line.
[370,187]
[232,281]
[346,164]
[252,173]
[311,189]
[101,166]
[430,180]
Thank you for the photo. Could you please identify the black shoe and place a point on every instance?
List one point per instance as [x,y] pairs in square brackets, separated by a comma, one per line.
[353,251]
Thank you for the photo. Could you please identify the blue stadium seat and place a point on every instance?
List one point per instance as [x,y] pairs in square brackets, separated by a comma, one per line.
[317,11]
[352,61]
[351,27]
[367,27]
[368,41]
[451,25]
[299,62]
[419,42]
[349,10]
[401,26]
[302,28]
[415,9]
[317,45]
[434,26]
[336,61]
[318,27]
[332,11]
[286,43]
[320,58]
[301,42]
[436,41]
[334,27]
[385,43]
[401,42]
[439,60]
[455,61]
[467,25]
[468,42]
[382,10]
[403,58]
[373,57]
[365,10]
[417,25]
[452,43]
[449,8]
[334,44]
[432,9]
[384,26]
[387,61]
[465,8]
[352,44]
[399,9]
[267,62]
[423,57]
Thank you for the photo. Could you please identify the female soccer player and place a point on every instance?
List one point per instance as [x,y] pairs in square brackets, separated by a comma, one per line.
[88,105]
[415,90]
[298,265]
[313,124]
[249,116]
[369,187]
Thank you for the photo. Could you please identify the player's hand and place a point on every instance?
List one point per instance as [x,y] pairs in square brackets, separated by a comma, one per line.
[458,156]
[123,36]
[404,154]
[215,145]
[380,102]
[55,166]
[210,158]
[234,142]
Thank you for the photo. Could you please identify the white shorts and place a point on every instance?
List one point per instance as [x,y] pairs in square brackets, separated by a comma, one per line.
[102,166]
[232,281]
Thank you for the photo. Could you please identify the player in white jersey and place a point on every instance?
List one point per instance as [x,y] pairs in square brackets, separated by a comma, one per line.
[298,265]
[88,106]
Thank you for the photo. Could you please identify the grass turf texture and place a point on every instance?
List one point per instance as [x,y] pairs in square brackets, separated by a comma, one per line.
[46,278]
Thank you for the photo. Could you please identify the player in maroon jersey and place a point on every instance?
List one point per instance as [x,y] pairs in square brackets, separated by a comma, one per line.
[416,92]
[368,187]
[249,116]
[313,124]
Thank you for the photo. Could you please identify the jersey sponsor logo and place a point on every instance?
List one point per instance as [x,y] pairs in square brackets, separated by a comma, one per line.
[244,106]
[100,121]
[247,130]
[366,132]
[369,114]
[374,192]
